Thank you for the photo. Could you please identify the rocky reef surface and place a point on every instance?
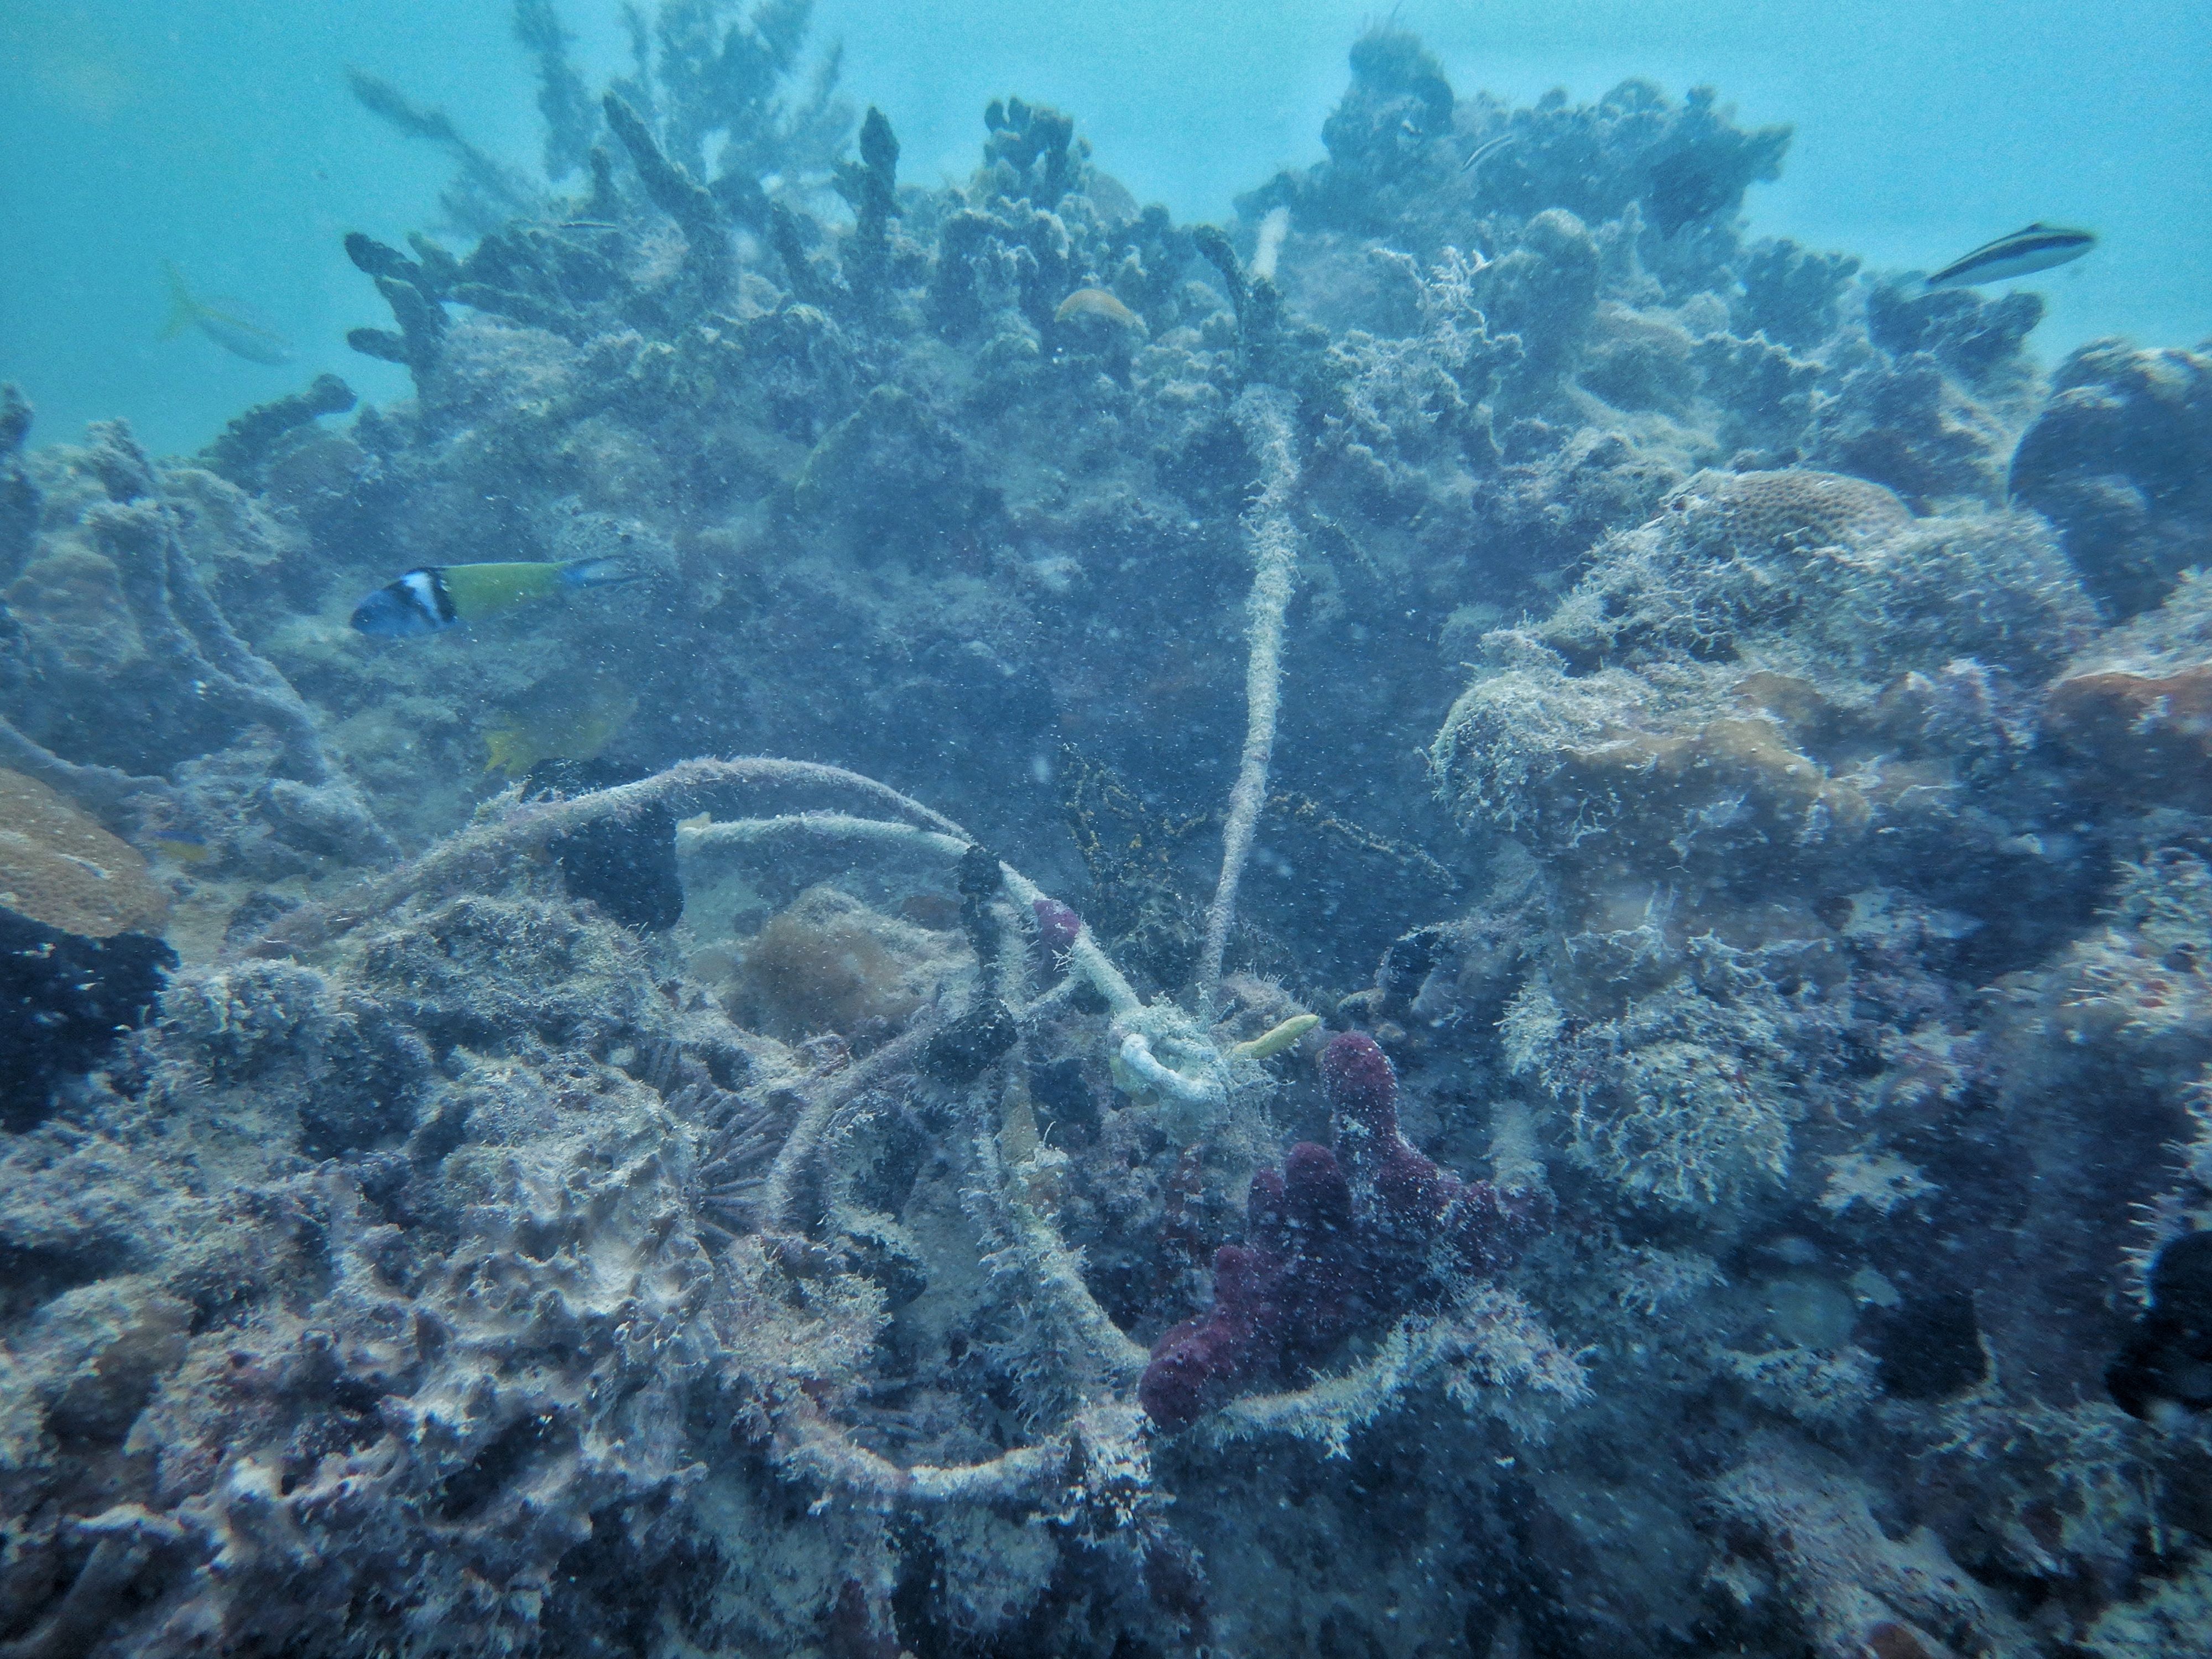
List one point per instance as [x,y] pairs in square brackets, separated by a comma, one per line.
[1680,1121]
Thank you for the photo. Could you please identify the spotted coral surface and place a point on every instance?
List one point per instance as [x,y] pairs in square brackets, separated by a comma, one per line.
[60,867]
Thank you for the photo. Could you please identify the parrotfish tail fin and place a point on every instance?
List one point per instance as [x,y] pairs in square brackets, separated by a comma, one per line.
[184,310]
[598,573]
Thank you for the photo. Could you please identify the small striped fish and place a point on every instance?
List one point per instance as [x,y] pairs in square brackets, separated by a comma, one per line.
[2037,247]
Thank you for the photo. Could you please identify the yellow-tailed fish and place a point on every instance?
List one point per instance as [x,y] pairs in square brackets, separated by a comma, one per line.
[181,845]
[223,321]
[560,718]
[439,597]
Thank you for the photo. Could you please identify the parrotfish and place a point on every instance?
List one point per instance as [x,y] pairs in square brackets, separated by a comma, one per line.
[2034,247]
[224,321]
[437,597]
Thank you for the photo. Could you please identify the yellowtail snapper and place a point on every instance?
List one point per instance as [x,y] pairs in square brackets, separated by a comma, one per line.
[224,321]
[2034,247]
[435,597]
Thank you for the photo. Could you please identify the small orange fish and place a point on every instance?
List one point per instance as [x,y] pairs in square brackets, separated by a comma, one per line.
[1096,305]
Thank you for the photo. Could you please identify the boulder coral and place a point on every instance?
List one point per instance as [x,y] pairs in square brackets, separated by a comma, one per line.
[2116,461]
[1784,690]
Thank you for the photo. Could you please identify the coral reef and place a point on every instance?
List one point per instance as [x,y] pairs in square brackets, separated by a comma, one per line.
[1761,711]
[1701,733]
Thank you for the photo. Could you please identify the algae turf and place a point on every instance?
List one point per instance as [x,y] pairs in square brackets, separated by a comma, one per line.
[628,866]
[63,1001]
[1606,1050]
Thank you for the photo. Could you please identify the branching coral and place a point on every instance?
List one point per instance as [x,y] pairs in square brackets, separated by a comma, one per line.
[146,690]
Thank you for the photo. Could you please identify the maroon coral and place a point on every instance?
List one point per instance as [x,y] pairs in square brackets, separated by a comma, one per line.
[1328,1253]
[1057,927]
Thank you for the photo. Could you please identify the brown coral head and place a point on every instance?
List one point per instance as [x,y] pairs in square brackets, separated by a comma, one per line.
[2149,736]
[828,964]
[59,867]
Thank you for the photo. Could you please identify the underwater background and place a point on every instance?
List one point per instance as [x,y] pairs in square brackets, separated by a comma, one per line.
[222,137]
[1014,831]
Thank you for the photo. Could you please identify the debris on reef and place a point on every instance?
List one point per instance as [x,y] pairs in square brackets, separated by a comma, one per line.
[1715,731]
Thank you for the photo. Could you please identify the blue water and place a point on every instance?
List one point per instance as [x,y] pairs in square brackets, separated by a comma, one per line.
[221,135]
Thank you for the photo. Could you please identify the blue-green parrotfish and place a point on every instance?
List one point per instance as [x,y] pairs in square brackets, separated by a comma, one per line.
[2034,247]
[438,597]
[224,321]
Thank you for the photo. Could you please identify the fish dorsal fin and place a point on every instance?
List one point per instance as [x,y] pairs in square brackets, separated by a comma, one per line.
[2036,224]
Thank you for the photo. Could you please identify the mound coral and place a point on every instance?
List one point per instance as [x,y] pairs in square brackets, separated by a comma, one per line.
[450,1266]
[2116,462]
[2134,711]
[59,867]
[1780,691]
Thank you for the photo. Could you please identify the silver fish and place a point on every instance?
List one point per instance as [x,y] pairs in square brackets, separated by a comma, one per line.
[2034,247]
[224,321]
[1484,151]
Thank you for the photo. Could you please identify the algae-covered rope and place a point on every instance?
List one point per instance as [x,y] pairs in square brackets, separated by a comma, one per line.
[1264,412]
[476,855]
